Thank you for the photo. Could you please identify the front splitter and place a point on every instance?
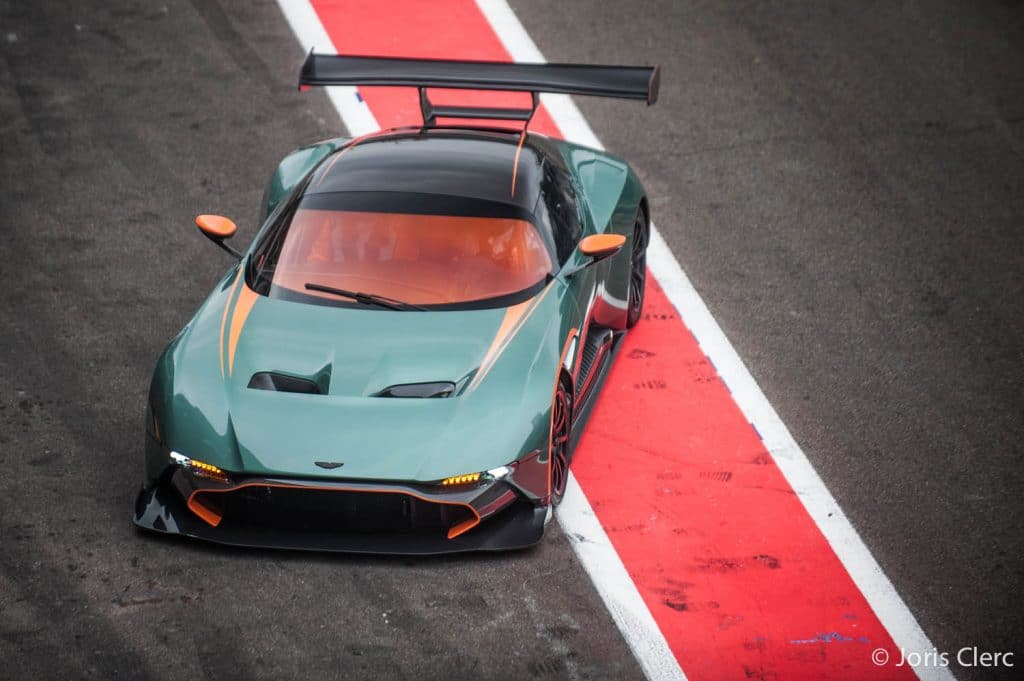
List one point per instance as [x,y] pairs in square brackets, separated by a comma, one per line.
[518,526]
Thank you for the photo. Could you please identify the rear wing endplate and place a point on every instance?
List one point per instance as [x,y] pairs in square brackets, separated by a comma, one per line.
[625,82]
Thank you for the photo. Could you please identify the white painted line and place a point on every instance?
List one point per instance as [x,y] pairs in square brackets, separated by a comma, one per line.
[355,113]
[521,47]
[862,567]
[618,591]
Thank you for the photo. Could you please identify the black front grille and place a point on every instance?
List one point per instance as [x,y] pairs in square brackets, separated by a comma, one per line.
[328,511]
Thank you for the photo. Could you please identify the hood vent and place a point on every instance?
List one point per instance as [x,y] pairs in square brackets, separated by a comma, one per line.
[436,389]
[282,383]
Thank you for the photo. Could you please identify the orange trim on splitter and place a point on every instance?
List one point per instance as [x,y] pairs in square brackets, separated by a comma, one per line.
[210,516]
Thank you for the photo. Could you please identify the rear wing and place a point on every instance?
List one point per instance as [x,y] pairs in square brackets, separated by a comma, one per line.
[625,82]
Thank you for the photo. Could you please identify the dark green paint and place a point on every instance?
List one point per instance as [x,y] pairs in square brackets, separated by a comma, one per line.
[359,351]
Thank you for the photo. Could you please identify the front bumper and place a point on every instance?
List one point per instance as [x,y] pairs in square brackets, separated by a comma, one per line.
[343,516]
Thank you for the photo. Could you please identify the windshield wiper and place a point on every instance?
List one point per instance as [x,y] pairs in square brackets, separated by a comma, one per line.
[365,298]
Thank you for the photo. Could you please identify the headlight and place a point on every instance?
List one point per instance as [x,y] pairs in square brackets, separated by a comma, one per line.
[501,471]
[466,479]
[471,478]
[200,469]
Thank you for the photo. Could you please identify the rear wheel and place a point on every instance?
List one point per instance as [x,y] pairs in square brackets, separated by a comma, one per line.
[638,271]
[561,429]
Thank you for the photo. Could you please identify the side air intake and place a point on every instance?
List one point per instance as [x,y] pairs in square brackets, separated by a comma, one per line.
[266,380]
[438,389]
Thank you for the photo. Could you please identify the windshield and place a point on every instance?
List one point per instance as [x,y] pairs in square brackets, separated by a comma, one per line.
[419,259]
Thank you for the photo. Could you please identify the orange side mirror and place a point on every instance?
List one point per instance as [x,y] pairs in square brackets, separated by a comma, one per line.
[601,246]
[217,228]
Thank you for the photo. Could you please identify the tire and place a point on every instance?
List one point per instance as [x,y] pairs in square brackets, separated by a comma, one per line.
[561,432]
[637,271]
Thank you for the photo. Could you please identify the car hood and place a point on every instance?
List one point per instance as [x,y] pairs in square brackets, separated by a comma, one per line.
[360,352]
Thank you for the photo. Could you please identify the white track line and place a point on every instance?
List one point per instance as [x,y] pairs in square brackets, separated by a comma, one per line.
[354,112]
[893,613]
[618,591]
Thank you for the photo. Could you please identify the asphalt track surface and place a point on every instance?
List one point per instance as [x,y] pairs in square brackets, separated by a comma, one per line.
[844,185]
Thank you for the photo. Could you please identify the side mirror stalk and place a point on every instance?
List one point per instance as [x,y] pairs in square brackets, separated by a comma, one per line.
[223,246]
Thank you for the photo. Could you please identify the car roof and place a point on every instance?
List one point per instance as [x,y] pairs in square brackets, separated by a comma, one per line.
[472,163]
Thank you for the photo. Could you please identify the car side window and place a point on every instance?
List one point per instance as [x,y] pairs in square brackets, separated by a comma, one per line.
[560,209]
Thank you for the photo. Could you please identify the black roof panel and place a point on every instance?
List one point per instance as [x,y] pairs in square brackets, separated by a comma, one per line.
[472,164]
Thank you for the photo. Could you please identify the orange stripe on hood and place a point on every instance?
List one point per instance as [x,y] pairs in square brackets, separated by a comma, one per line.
[246,298]
[514,319]
[224,319]
[508,322]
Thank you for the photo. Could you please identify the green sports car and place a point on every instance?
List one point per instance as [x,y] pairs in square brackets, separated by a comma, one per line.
[405,356]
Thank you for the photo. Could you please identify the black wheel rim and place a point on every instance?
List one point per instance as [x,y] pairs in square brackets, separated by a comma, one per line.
[638,272]
[560,430]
